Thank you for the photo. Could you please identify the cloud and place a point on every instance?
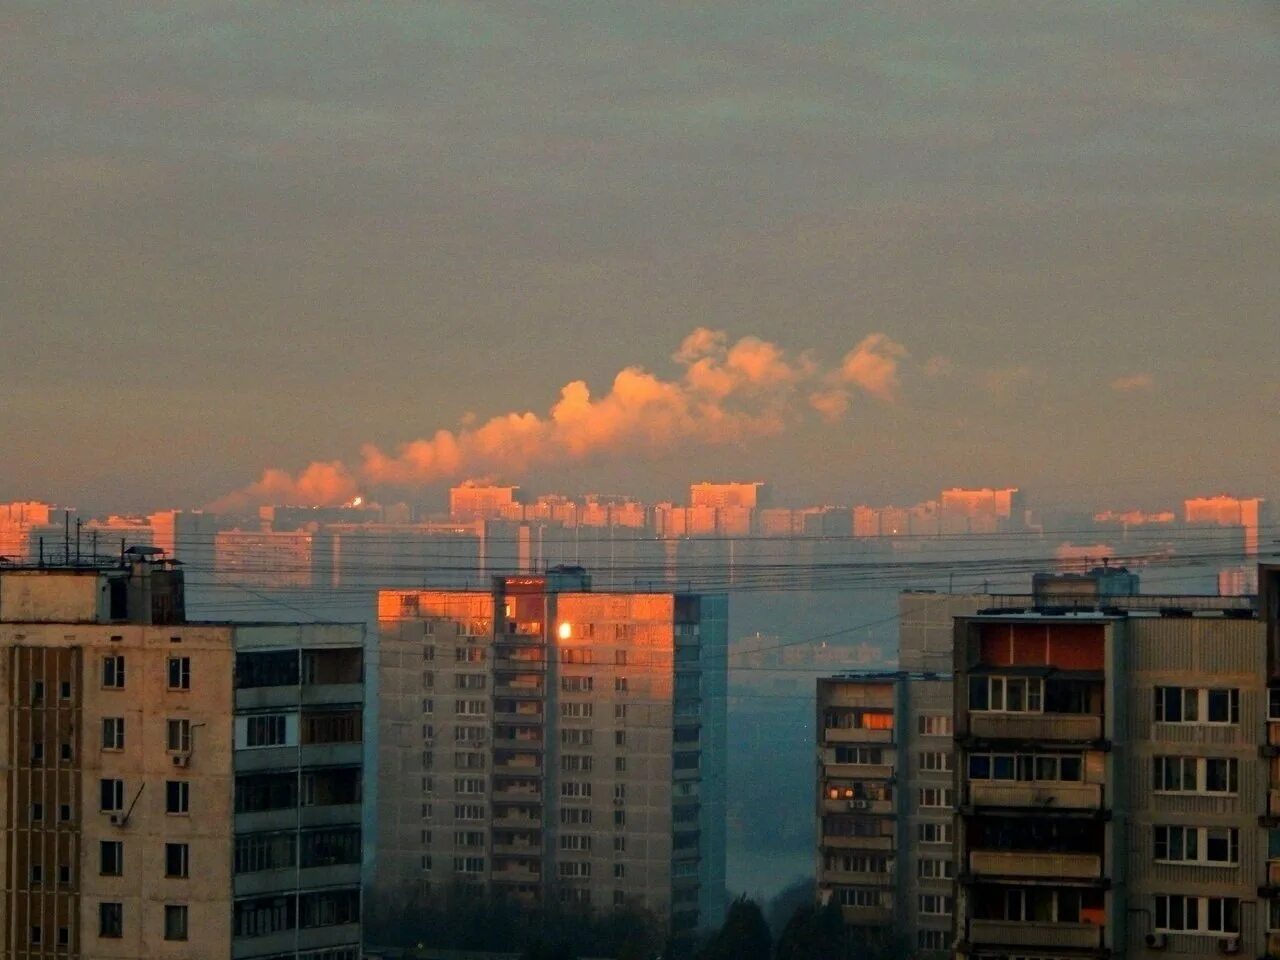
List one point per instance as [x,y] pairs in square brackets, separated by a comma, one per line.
[727,393]
[873,366]
[1133,383]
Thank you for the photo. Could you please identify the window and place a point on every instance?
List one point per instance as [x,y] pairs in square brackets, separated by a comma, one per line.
[36,874]
[579,655]
[176,860]
[1176,913]
[111,920]
[576,711]
[470,708]
[37,812]
[111,794]
[468,784]
[934,724]
[1273,703]
[858,897]
[469,654]
[1196,705]
[620,765]
[1212,846]
[178,736]
[265,851]
[64,752]
[175,921]
[575,763]
[932,939]
[619,818]
[858,862]
[935,905]
[619,844]
[935,760]
[936,797]
[468,811]
[619,738]
[620,658]
[573,815]
[468,681]
[64,813]
[64,690]
[619,711]
[468,838]
[619,684]
[110,858]
[619,871]
[620,794]
[860,755]
[574,869]
[266,731]
[1006,694]
[177,796]
[37,691]
[113,733]
[468,864]
[927,869]
[465,734]
[37,935]
[64,936]
[1196,774]
[575,684]
[113,671]
[180,676]
[1027,767]
[575,841]
[575,788]
[934,832]
[575,737]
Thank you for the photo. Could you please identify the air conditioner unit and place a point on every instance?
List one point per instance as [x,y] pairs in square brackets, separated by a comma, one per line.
[181,759]
[117,819]
[1156,941]
[859,804]
[1229,945]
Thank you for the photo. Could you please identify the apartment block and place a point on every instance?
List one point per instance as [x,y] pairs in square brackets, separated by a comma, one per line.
[555,744]
[886,791]
[173,788]
[1112,774]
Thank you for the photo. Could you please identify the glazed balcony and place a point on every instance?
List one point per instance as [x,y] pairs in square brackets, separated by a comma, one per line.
[857,735]
[1033,864]
[1045,796]
[1070,727]
[867,916]
[881,807]
[1039,936]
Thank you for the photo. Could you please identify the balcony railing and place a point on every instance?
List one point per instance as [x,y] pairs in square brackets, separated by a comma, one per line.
[1032,863]
[858,843]
[867,916]
[856,735]
[858,771]
[858,806]
[1047,796]
[883,880]
[1014,933]
[1036,726]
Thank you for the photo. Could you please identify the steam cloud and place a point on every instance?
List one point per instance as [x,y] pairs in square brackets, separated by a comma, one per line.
[727,393]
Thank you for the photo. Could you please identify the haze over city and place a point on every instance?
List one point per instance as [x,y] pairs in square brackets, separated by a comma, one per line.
[645,481]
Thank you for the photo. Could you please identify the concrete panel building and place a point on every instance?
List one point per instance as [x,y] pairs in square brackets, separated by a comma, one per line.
[554,743]
[169,788]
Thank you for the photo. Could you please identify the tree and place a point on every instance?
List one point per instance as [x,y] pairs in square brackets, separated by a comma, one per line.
[744,935]
[816,933]
[798,893]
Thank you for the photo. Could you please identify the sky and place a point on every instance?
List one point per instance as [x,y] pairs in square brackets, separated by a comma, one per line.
[859,250]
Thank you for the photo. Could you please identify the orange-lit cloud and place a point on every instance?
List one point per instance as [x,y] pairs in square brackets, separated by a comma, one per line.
[726,393]
[873,366]
[1133,382]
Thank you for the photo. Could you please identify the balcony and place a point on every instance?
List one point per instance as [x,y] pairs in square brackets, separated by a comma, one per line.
[1273,803]
[519,819]
[843,842]
[524,849]
[867,916]
[1041,796]
[1070,727]
[519,690]
[1015,933]
[846,878]
[856,735]
[1032,864]
[1273,873]
[858,771]
[516,874]
[858,806]
[1273,943]
[509,716]
[518,741]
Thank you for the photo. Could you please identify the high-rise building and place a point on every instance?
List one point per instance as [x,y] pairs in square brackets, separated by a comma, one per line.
[885,784]
[174,789]
[751,495]
[1226,511]
[554,743]
[981,511]
[1113,776]
[475,501]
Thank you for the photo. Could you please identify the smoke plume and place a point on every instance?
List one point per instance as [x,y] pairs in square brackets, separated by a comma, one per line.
[725,393]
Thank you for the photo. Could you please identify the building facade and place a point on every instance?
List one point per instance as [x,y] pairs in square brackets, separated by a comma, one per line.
[1113,771]
[174,789]
[553,743]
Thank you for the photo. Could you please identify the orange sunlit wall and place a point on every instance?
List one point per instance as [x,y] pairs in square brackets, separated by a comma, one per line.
[1069,646]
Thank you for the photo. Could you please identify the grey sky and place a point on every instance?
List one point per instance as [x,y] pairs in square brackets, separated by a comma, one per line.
[249,235]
